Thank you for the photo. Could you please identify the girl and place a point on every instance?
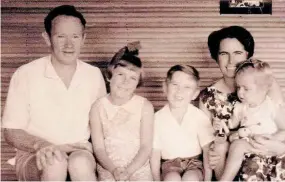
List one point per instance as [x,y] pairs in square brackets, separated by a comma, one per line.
[182,131]
[255,115]
[122,123]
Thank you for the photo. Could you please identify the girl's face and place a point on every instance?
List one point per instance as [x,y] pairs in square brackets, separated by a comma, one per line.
[249,91]
[181,89]
[231,52]
[124,82]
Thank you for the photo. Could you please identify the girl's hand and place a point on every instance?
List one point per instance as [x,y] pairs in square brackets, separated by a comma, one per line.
[121,174]
[266,146]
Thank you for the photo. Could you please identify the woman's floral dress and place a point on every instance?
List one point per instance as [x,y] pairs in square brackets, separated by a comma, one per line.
[254,167]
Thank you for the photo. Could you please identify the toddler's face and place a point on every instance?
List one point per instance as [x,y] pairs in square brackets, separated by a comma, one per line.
[124,81]
[181,89]
[250,92]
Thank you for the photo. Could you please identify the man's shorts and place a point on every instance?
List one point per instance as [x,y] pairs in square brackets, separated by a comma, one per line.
[181,165]
[26,166]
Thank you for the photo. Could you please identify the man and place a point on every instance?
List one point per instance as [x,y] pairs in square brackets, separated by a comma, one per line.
[46,117]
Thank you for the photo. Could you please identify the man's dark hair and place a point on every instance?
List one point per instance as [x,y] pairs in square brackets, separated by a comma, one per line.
[67,10]
[240,33]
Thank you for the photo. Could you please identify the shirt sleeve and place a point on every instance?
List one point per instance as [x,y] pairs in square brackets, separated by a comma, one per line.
[100,85]
[206,131]
[16,111]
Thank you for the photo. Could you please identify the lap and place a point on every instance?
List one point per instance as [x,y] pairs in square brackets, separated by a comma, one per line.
[26,166]
[265,168]
[181,165]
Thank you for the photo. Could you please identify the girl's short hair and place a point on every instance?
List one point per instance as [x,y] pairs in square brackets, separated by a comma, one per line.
[259,69]
[190,70]
[240,33]
[126,57]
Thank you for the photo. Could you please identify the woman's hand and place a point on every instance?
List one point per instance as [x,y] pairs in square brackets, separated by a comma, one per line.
[214,157]
[265,145]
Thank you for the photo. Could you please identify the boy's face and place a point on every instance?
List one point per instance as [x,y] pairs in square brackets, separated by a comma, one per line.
[181,89]
[124,81]
[66,39]
[249,91]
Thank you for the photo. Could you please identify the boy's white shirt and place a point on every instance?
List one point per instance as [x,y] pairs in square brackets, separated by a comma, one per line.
[185,139]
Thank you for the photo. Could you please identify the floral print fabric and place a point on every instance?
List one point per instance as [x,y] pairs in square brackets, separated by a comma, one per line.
[254,167]
[220,105]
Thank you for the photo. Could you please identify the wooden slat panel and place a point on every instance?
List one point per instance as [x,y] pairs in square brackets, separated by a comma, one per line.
[170,32]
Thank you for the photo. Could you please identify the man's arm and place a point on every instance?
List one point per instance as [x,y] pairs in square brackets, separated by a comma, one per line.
[20,139]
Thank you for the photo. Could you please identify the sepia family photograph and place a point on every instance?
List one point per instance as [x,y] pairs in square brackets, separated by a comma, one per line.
[149,90]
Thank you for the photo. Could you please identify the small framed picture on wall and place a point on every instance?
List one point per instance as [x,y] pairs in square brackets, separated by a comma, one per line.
[245,6]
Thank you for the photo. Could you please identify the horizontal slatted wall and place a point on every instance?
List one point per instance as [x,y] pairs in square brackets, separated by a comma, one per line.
[171,32]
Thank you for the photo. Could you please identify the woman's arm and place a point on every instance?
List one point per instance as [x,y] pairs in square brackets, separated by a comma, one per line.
[267,146]
[155,164]
[146,138]
[207,169]
[98,139]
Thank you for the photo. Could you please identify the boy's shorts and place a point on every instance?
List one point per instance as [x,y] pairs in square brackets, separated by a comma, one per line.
[181,165]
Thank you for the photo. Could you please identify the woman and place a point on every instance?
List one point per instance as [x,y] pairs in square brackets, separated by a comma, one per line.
[230,46]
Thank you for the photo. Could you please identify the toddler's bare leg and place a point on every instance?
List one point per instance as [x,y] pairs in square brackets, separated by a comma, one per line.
[233,163]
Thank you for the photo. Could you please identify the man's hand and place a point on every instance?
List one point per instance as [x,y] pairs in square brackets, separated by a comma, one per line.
[83,146]
[46,155]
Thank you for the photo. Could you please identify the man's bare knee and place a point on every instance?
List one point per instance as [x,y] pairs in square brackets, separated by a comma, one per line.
[82,166]
[81,158]
[57,171]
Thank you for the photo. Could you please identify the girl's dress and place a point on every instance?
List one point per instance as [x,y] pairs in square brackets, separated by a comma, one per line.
[121,130]
[254,167]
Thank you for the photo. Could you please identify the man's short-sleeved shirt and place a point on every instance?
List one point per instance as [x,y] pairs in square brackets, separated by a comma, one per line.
[39,102]
[185,139]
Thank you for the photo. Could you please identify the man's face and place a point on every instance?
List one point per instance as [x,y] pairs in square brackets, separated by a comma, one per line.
[66,39]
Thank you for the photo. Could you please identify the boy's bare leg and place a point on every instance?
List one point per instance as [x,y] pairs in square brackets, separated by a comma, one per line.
[193,175]
[172,176]
[235,157]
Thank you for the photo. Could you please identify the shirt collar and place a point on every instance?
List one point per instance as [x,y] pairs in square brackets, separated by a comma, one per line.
[50,71]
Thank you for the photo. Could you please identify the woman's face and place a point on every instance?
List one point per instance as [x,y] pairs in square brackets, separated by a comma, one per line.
[230,53]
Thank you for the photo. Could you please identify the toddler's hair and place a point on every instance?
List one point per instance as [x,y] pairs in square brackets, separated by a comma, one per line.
[259,69]
[126,57]
[190,70]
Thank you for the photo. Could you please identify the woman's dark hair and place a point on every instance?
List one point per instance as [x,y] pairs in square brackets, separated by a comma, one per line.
[126,57]
[240,33]
[67,10]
